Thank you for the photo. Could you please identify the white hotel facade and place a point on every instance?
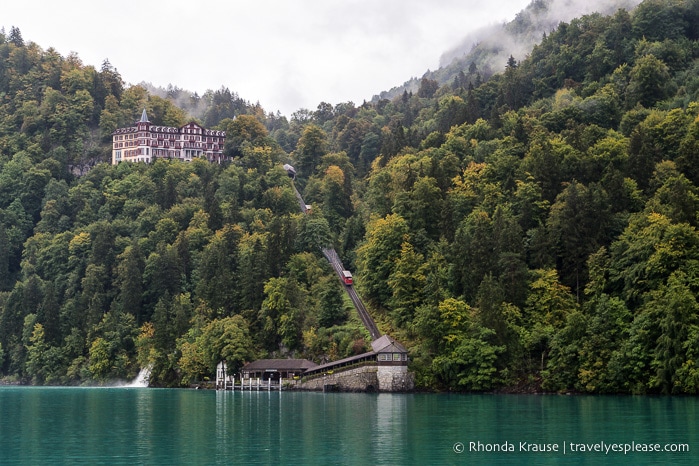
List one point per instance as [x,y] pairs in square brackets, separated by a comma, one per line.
[145,142]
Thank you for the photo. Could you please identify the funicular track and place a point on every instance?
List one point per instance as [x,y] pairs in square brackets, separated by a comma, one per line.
[336,264]
[334,260]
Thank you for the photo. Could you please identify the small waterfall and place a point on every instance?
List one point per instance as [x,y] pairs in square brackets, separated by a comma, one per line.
[141,379]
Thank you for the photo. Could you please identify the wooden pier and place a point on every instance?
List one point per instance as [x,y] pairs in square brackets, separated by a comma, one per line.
[250,384]
[262,374]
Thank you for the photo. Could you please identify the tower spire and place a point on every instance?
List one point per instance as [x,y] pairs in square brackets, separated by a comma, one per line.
[144,117]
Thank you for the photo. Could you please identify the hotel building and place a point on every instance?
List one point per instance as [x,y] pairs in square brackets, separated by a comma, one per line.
[145,142]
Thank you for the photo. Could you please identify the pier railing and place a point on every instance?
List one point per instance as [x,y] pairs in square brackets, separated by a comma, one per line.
[251,384]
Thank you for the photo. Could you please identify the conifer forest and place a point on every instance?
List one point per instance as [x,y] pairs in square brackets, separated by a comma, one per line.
[527,229]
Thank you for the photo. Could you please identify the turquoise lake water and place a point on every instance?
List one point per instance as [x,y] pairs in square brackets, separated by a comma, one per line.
[165,427]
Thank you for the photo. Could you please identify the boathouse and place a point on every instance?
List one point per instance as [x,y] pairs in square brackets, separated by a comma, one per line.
[276,369]
[263,373]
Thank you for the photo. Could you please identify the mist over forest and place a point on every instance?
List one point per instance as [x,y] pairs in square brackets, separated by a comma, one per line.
[519,36]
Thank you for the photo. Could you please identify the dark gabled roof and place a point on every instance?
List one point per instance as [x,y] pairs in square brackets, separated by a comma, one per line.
[386,344]
[191,124]
[279,365]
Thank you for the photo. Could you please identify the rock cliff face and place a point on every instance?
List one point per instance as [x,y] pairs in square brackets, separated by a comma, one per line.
[363,379]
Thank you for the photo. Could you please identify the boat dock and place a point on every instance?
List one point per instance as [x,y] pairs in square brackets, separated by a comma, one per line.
[250,384]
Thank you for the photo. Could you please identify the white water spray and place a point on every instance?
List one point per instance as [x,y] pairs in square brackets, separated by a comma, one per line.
[141,379]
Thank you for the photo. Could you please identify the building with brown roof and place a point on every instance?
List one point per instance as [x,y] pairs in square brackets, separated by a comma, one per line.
[274,369]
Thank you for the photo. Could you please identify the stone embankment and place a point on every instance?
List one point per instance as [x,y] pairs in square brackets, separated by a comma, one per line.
[370,378]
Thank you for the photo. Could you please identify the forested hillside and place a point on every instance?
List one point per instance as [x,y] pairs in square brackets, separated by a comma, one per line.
[489,47]
[531,230]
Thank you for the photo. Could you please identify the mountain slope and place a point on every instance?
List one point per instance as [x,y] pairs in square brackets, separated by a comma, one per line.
[490,47]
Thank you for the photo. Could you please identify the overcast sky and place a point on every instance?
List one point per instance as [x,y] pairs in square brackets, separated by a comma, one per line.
[286,54]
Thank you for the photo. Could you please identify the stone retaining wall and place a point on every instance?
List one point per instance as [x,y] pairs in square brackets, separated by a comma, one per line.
[395,379]
[362,379]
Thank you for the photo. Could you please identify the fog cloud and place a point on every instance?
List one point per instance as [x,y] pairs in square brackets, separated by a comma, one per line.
[283,54]
[540,17]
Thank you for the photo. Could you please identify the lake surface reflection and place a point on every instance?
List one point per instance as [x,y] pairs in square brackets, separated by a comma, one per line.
[159,427]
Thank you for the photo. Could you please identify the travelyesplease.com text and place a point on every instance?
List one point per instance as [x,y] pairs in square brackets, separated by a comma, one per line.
[569,447]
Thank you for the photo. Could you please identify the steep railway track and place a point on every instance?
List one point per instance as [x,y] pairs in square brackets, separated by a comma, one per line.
[332,257]
[334,260]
